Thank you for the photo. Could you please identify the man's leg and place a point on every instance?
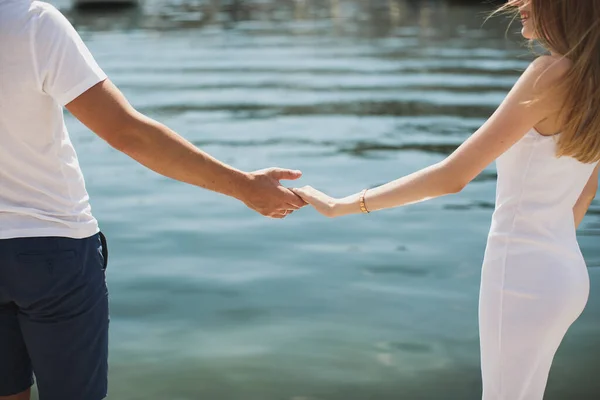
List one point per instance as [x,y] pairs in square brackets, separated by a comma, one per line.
[15,367]
[63,315]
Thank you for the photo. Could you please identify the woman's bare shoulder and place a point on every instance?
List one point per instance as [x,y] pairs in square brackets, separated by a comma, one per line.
[549,70]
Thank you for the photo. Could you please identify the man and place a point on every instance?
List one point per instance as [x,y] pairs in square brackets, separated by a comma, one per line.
[53,297]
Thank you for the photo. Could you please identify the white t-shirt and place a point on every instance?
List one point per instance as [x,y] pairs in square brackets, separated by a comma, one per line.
[44,65]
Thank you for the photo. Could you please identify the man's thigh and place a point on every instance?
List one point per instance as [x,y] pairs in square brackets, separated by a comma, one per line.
[63,316]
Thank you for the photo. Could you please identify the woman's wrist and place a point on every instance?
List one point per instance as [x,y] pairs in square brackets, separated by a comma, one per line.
[348,205]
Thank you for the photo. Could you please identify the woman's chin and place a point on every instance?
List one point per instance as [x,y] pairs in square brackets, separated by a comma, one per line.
[527,30]
[527,34]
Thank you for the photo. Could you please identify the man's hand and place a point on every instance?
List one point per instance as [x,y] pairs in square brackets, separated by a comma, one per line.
[157,147]
[265,194]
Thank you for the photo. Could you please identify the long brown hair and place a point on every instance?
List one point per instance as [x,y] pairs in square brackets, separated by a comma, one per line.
[571,28]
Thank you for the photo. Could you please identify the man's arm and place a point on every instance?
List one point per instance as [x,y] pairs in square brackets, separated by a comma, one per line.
[104,110]
[586,197]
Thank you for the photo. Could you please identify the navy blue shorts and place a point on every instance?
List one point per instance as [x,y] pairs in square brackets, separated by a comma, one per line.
[54,317]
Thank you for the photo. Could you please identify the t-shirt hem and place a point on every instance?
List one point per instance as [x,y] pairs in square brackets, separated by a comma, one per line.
[82,87]
[50,232]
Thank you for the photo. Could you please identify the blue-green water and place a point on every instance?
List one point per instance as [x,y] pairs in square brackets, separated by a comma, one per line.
[211,301]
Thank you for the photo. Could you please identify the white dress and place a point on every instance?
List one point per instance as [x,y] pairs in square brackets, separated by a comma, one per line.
[534,282]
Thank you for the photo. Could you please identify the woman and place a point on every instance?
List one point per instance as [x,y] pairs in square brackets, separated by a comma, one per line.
[546,139]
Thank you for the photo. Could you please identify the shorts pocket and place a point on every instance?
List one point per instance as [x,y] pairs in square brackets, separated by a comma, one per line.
[39,273]
[55,256]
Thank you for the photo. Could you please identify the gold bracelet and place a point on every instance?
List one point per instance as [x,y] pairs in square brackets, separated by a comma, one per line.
[361,200]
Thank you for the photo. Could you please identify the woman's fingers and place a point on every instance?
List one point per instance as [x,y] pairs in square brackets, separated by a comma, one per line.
[319,200]
[307,193]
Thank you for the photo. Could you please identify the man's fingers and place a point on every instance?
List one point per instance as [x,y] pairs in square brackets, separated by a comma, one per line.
[280,214]
[281,173]
[296,202]
[293,199]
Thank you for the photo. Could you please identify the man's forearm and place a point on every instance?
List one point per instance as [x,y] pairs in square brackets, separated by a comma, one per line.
[105,110]
[155,146]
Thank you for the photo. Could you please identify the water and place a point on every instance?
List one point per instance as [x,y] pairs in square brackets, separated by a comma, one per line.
[209,300]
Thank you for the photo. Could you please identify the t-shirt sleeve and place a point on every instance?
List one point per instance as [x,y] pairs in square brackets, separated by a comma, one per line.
[65,66]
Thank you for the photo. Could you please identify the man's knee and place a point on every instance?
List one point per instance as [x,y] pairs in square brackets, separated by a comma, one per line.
[21,396]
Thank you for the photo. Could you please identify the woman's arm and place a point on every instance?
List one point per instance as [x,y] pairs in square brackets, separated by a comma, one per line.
[586,197]
[516,116]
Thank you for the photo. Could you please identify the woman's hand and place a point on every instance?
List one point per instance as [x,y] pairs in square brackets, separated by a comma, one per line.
[327,205]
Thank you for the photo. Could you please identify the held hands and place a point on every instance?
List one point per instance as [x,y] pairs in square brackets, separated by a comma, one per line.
[327,205]
[265,194]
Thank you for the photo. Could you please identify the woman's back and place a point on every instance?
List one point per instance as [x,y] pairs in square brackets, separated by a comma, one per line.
[537,191]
